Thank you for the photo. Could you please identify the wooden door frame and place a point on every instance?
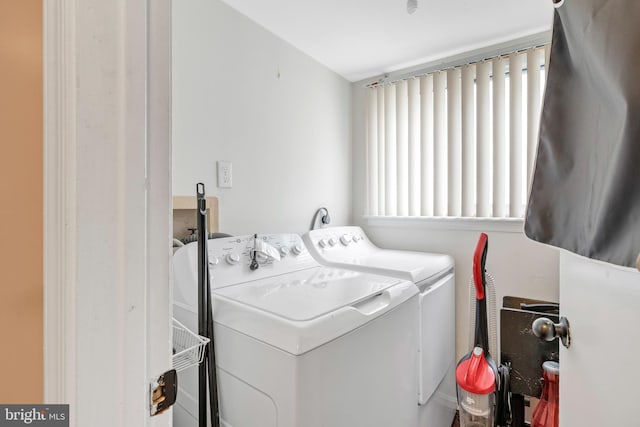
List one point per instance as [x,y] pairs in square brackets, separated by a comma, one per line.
[107,316]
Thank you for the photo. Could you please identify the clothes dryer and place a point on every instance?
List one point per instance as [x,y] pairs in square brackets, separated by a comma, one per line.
[433,276]
[298,344]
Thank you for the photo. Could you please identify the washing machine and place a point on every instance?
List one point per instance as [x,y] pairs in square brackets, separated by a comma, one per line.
[298,344]
[433,277]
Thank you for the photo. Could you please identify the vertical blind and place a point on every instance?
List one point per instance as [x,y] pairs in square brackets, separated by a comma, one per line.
[458,142]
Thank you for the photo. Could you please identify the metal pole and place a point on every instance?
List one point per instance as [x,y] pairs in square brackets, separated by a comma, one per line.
[211,363]
[206,370]
[202,303]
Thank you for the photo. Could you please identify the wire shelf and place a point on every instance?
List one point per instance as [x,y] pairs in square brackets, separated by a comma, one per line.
[188,347]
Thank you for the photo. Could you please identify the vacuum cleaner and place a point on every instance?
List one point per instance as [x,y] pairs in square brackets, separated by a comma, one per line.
[482,385]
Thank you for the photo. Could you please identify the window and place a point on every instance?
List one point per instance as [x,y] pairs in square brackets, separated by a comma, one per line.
[458,142]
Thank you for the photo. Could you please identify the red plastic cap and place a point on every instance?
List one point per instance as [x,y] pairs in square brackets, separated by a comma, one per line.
[475,374]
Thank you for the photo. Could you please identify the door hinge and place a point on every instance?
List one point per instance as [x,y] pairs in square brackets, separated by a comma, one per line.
[163,392]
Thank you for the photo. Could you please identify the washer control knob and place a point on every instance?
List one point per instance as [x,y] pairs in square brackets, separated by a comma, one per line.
[213,260]
[333,241]
[232,259]
[284,251]
[261,257]
[297,250]
[356,239]
[345,239]
[322,243]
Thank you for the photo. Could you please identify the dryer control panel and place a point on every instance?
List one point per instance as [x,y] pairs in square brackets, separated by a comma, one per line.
[336,241]
[349,247]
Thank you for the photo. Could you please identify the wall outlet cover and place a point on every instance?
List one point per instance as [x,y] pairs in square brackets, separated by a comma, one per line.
[225,174]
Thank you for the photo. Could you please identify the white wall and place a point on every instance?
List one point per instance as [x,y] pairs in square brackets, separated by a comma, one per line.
[284,120]
[520,267]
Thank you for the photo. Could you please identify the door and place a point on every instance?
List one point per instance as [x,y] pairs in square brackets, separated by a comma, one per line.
[599,373]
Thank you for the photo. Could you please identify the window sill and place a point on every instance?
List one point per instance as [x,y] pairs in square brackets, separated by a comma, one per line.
[505,225]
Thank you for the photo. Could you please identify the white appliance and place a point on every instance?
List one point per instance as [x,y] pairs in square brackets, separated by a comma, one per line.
[433,276]
[298,344]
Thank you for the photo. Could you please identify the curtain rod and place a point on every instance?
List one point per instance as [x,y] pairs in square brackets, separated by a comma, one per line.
[384,81]
[535,41]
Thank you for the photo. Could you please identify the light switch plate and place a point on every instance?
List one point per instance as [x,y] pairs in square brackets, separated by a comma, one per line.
[225,174]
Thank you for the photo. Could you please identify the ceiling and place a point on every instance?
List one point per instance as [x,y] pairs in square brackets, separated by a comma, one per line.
[359,39]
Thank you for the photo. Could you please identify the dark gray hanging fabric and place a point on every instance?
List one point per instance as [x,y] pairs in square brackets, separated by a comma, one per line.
[585,195]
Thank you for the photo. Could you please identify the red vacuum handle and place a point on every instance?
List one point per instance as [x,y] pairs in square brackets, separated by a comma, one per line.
[479,259]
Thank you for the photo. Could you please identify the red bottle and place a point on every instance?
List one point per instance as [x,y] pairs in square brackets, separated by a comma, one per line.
[546,413]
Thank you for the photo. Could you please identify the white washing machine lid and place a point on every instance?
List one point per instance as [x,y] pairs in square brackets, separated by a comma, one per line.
[299,311]
[415,266]
[307,294]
